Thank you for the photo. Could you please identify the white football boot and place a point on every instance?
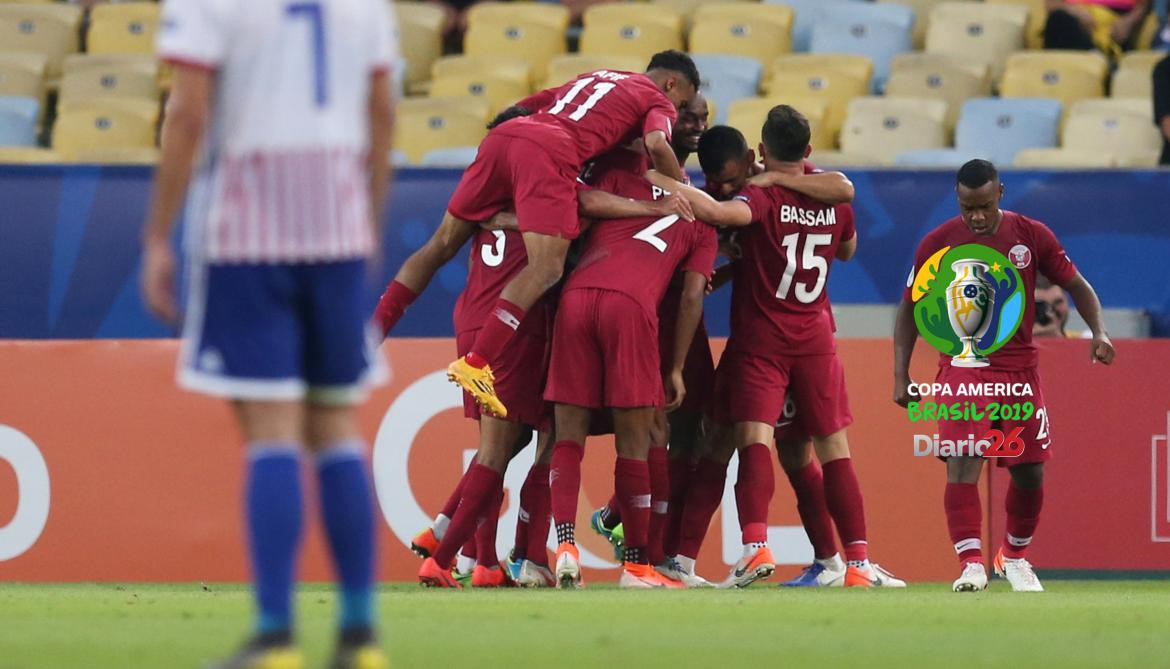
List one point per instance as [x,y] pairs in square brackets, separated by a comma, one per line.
[1018,572]
[674,569]
[973,578]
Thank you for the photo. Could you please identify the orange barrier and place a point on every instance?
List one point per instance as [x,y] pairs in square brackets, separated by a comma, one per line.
[110,473]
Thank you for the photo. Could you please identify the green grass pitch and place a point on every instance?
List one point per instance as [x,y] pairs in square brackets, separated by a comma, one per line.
[1074,624]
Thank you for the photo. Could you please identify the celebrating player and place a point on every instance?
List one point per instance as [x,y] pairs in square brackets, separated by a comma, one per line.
[285,210]
[1033,249]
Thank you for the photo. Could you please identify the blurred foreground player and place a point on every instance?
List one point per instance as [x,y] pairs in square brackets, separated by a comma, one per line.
[1034,250]
[284,211]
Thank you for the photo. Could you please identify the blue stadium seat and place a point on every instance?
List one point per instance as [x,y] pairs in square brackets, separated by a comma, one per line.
[878,32]
[18,120]
[949,158]
[997,128]
[727,79]
[807,12]
[457,156]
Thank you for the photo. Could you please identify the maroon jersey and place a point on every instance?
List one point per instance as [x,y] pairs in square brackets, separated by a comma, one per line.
[1027,244]
[594,113]
[496,257]
[779,303]
[638,256]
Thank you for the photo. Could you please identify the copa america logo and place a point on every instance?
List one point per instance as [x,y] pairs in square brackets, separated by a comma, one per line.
[968,302]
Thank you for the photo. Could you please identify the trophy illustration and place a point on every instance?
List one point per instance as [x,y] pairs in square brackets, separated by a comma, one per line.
[969,300]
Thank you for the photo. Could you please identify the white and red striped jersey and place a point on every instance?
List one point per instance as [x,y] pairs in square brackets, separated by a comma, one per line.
[283,175]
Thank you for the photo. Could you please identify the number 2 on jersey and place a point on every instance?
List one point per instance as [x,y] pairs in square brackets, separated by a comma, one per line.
[315,15]
[808,260]
[599,91]
[649,234]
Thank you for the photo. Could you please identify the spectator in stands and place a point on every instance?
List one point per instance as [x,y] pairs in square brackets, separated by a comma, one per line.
[1162,105]
[1108,25]
[1051,310]
[455,23]
[578,7]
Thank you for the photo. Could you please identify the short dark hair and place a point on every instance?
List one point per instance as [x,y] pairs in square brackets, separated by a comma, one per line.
[676,61]
[976,173]
[786,134]
[515,111]
[720,144]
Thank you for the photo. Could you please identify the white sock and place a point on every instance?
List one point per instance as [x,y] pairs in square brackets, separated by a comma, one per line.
[859,564]
[688,564]
[439,527]
[464,564]
[833,563]
[750,549]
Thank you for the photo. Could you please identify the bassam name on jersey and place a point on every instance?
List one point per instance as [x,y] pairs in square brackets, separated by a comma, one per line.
[811,217]
[971,389]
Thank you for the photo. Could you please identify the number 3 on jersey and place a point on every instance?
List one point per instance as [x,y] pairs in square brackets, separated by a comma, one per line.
[599,91]
[493,254]
[808,260]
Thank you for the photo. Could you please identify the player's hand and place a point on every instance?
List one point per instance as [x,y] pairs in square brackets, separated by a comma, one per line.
[158,280]
[676,390]
[1102,349]
[902,395]
[675,204]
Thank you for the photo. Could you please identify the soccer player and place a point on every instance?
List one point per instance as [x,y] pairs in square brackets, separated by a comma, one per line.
[981,221]
[532,163]
[289,109]
[605,356]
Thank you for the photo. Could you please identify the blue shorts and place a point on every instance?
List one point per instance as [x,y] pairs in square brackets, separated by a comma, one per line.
[280,332]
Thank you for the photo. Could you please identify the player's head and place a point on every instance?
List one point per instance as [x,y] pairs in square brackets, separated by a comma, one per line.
[979,189]
[726,160]
[785,135]
[676,76]
[692,122]
[515,111]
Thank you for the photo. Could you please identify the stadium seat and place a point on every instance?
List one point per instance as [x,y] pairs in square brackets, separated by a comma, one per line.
[530,30]
[834,78]
[1067,76]
[934,158]
[738,36]
[753,15]
[456,156]
[512,67]
[941,77]
[499,91]
[18,120]
[977,32]
[398,158]
[878,32]
[830,159]
[996,128]
[15,155]
[96,77]
[632,37]
[22,74]
[748,117]
[1037,17]
[420,28]
[921,12]
[1066,158]
[47,29]
[883,127]
[568,67]
[688,8]
[84,128]
[805,13]
[1122,129]
[438,123]
[726,79]
[1134,75]
[623,13]
[124,27]
[117,155]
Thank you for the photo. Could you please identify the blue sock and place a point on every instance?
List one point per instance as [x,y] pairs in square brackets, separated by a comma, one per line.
[273,508]
[348,510]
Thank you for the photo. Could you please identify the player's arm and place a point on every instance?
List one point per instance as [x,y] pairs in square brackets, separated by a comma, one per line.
[847,249]
[603,205]
[828,187]
[381,110]
[720,277]
[690,310]
[1089,307]
[905,336]
[187,113]
[733,213]
[662,155]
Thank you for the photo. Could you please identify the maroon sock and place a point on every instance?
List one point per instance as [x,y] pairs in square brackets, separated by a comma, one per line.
[392,305]
[479,490]
[659,472]
[965,521]
[753,492]
[538,505]
[680,478]
[706,492]
[524,517]
[496,332]
[565,482]
[485,536]
[631,481]
[611,513]
[1023,515]
[809,485]
[456,494]
[843,499]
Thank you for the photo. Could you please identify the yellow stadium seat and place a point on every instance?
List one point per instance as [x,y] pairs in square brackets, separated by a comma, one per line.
[438,123]
[633,39]
[781,15]
[727,33]
[530,38]
[748,116]
[1131,106]
[1134,75]
[499,91]
[1148,32]
[420,28]
[921,12]
[147,110]
[688,8]
[835,78]
[1121,129]
[47,29]
[884,127]
[23,74]
[125,27]
[1037,16]
[83,128]
[628,13]
[977,32]
[100,77]
[940,77]
[567,67]
[510,67]
[1064,75]
[830,159]
[27,155]
[555,16]
[1068,158]
[119,155]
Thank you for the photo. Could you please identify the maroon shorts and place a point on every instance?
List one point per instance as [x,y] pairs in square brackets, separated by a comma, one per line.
[790,428]
[604,352]
[698,370]
[1035,431]
[754,388]
[520,382]
[520,172]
